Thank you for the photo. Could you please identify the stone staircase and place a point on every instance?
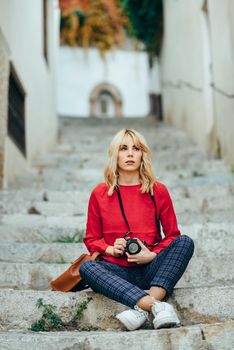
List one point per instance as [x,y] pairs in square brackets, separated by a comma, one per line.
[42,222]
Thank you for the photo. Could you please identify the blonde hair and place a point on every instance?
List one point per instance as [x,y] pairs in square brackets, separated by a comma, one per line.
[146,173]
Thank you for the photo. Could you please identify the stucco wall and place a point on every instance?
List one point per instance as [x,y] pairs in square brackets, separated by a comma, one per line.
[4,73]
[79,73]
[182,67]
[222,34]
[22,25]
[196,65]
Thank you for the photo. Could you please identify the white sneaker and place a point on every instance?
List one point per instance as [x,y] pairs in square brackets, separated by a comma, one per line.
[133,319]
[164,315]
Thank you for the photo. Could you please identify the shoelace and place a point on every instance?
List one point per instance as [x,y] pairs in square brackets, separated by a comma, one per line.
[142,312]
[156,302]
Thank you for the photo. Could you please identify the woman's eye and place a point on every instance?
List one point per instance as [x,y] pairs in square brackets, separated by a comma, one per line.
[136,148]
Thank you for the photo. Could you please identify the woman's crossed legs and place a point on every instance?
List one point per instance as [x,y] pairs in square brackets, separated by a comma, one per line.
[127,285]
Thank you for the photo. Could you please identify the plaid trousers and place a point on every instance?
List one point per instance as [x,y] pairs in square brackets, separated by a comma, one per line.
[127,285]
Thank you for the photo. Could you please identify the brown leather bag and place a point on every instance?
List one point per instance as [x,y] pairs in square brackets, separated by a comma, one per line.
[70,280]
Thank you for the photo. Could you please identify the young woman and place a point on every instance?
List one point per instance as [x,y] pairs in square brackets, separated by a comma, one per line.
[142,272]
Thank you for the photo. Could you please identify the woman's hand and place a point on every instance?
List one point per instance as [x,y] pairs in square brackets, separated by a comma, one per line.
[118,249]
[143,257]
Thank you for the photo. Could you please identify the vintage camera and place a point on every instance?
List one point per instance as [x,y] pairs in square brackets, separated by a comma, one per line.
[132,246]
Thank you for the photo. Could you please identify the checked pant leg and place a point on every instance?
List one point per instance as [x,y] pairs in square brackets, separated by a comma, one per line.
[112,281]
[169,265]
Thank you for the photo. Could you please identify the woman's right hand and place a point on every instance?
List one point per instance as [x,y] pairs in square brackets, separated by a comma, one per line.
[118,249]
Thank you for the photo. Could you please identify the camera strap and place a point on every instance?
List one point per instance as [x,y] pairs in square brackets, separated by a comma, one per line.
[157,221]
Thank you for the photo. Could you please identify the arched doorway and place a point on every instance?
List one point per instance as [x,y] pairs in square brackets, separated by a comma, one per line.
[105,101]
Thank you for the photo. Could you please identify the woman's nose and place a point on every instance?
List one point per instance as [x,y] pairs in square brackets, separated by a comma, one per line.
[130,152]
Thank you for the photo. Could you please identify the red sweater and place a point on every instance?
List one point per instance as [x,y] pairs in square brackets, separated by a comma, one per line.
[105,222]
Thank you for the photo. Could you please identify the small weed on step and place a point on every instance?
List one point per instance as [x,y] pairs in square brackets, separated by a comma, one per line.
[61,261]
[77,237]
[196,173]
[51,321]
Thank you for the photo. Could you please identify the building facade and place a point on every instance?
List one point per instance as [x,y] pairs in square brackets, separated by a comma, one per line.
[28,121]
[90,86]
[197,69]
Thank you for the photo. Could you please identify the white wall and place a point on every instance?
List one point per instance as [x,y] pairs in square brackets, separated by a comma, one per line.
[14,162]
[197,68]
[182,67]
[222,34]
[21,23]
[79,72]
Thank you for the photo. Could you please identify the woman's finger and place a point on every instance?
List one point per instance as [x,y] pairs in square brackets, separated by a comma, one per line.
[118,251]
[133,260]
[121,241]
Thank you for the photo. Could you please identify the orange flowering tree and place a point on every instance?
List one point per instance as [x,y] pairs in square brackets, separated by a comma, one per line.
[92,23]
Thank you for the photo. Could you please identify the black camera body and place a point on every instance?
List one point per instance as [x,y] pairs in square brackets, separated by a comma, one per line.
[132,246]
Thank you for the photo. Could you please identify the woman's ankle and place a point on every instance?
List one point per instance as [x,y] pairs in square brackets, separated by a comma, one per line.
[146,303]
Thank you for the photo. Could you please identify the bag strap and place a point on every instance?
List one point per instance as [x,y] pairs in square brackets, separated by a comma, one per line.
[157,221]
[95,255]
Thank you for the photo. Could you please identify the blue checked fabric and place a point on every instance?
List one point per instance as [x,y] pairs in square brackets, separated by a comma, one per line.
[127,284]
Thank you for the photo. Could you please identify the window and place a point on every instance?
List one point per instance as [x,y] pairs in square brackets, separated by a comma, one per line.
[16,111]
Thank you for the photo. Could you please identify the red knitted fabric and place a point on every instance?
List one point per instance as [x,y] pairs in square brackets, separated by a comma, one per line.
[105,222]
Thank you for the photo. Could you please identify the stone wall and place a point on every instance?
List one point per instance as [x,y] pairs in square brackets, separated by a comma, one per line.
[4,77]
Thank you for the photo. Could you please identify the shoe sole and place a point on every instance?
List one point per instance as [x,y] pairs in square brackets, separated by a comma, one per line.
[127,324]
[165,323]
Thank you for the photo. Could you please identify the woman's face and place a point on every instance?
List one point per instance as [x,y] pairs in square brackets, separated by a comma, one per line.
[129,156]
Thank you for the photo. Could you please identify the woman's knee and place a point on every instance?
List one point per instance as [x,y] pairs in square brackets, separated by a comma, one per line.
[186,241]
[86,267]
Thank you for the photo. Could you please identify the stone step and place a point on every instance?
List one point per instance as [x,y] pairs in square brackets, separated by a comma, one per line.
[50,253]
[162,162]
[183,218]
[193,190]
[217,336]
[49,202]
[37,228]
[194,305]
[71,208]
[73,179]
[68,208]
[210,238]
[206,217]
[202,271]
[208,243]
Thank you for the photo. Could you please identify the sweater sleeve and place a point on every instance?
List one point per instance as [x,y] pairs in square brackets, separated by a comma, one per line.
[167,218]
[93,238]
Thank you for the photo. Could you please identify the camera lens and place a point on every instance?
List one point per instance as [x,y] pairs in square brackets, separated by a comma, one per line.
[133,248]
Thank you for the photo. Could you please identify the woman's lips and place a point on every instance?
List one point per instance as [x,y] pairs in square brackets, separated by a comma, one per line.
[130,162]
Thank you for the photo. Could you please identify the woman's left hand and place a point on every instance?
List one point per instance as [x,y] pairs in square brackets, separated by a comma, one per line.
[143,257]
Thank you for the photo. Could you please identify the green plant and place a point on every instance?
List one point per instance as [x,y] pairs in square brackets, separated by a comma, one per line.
[80,309]
[232,169]
[146,23]
[61,261]
[88,328]
[196,173]
[77,237]
[49,320]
